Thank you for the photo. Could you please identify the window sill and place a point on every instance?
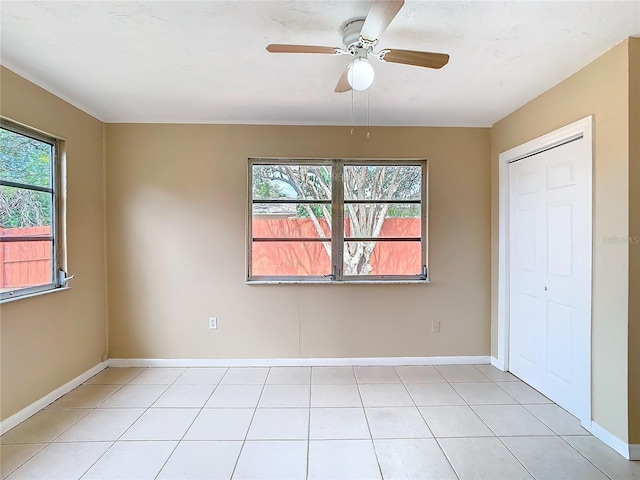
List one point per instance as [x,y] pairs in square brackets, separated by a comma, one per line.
[31,295]
[345,282]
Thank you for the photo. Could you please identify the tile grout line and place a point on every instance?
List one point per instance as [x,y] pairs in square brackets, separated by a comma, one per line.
[427,424]
[309,424]
[485,423]
[366,417]
[582,455]
[146,409]
[497,436]
[415,405]
[182,438]
[540,418]
[114,441]
[53,441]
[92,410]
[235,466]
[192,421]
[215,389]
[455,472]
[516,457]
[535,416]
[29,458]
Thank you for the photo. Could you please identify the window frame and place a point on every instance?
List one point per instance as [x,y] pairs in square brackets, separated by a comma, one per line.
[56,215]
[337,204]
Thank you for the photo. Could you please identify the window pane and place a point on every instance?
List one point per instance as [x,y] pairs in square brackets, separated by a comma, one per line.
[382,182]
[20,208]
[25,264]
[25,160]
[398,220]
[288,220]
[291,258]
[304,182]
[382,258]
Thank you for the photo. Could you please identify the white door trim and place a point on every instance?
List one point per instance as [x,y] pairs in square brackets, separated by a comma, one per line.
[584,128]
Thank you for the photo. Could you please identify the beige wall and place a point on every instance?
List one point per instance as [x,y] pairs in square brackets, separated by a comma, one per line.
[634,245]
[50,339]
[600,89]
[177,209]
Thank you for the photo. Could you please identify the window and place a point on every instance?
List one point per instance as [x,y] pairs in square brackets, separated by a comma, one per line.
[29,237]
[337,220]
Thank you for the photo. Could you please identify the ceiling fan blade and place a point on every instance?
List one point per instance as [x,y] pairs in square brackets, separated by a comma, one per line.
[281,48]
[419,59]
[380,15]
[343,83]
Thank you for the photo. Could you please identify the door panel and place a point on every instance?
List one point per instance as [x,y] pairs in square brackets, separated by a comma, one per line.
[559,239]
[559,340]
[524,337]
[559,175]
[526,246]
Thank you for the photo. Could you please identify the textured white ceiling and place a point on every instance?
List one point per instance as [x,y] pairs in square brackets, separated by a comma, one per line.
[196,62]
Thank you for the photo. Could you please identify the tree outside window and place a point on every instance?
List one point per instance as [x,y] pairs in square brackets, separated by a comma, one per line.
[369,213]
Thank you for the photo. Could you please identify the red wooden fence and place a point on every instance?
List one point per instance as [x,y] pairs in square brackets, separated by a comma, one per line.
[311,258]
[25,264]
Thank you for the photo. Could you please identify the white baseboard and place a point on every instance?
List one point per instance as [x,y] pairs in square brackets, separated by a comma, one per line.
[634,452]
[630,452]
[295,362]
[496,363]
[10,422]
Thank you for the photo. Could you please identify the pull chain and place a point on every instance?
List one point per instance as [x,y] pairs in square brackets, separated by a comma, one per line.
[368,110]
[353,122]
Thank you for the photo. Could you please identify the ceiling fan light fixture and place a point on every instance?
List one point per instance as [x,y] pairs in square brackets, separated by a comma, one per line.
[360,74]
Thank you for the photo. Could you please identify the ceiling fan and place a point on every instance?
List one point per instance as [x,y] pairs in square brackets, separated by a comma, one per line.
[360,38]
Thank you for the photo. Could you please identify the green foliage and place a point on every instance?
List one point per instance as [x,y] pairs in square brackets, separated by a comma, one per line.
[27,161]
[403,211]
[264,187]
[316,209]
[293,181]
[24,160]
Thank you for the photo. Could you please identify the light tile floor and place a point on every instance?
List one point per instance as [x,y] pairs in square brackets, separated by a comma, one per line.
[452,421]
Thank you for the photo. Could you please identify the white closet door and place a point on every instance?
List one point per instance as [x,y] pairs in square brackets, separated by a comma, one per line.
[550,283]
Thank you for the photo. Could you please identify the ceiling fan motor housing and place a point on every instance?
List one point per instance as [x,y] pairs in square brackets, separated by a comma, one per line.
[351,35]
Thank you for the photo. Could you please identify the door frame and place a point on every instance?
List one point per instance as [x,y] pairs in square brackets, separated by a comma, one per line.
[580,128]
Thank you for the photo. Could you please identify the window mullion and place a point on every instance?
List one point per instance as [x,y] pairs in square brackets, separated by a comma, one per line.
[337,219]
[25,186]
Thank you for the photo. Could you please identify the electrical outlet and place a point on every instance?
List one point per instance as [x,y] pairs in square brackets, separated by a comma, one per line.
[435,326]
[213,322]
